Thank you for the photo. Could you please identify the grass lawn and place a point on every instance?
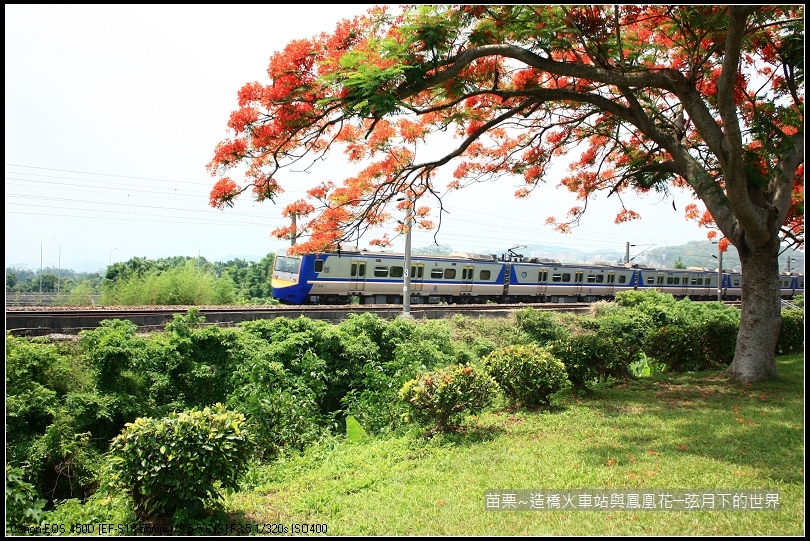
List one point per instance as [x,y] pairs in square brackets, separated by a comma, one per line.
[695,432]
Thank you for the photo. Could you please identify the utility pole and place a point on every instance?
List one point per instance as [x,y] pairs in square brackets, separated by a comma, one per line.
[406,288]
[627,252]
[294,235]
[719,258]
[40,267]
[719,273]
[59,272]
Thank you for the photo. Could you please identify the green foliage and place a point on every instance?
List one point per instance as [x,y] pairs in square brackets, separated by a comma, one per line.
[30,403]
[676,346]
[103,507]
[80,295]
[585,357]
[191,366]
[117,357]
[541,326]
[644,300]
[354,430]
[791,336]
[528,375]
[189,284]
[175,466]
[281,408]
[406,349]
[182,324]
[444,396]
[47,431]
[24,507]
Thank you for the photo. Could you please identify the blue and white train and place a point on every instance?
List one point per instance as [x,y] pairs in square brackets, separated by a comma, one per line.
[378,278]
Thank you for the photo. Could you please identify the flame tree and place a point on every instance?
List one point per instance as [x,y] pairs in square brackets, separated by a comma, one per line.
[704,97]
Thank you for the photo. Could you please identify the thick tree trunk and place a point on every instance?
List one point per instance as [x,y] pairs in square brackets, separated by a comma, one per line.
[760,319]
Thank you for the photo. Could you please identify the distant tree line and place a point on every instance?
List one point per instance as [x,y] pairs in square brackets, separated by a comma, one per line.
[141,281]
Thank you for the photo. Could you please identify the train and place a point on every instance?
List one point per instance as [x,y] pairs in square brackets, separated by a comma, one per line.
[379,277]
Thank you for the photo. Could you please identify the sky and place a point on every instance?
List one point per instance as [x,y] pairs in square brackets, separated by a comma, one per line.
[113,112]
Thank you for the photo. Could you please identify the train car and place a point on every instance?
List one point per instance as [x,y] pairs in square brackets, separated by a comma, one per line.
[791,284]
[378,278]
[548,280]
[798,284]
[695,282]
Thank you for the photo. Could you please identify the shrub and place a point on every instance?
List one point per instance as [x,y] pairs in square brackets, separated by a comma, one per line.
[677,346]
[528,375]
[443,397]
[281,409]
[375,402]
[585,357]
[23,504]
[541,326]
[174,466]
[791,336]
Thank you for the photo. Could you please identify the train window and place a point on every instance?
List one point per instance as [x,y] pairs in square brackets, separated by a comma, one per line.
[288,264]
[318,265]
[449,273]
[354,270]
[556,278]
[660,279]
[611,278]
[467,273]
[578,276]
[542,276]
[380,272]
[591,278]
[736,282]
[484,275]
[436,273]
[669,280]
[622,278]
[694,281]
[566,277]
[700,281]
[361,271]
[600,278]
[650,280]
[396,272]
[417,272]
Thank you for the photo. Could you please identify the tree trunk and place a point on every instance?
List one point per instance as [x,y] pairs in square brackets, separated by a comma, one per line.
[760,319]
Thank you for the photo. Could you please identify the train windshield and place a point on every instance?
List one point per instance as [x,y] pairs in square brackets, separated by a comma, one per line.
[287,264]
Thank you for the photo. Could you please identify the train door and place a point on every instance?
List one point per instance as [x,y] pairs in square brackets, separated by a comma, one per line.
[542,282]
[610,285]
[467,273]
[684,285]
[578,278]
[357,275]
[417,276]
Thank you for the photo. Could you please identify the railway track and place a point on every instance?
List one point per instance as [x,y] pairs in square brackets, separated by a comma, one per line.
[43,321]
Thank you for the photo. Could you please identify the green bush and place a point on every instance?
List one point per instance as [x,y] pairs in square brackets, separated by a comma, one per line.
[541,326]
[791,336]
[676,346]
[585,357]
[443,397]
[281,409]
[375,402]
[528,375]
[175,466]
[24,507]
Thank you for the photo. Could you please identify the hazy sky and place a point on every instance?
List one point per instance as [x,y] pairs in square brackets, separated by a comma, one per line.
[112,113]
